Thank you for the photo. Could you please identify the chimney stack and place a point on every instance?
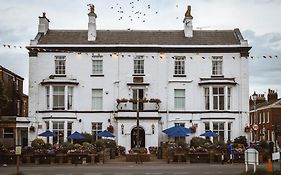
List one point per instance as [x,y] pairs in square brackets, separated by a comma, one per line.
[187,21]
[272,95]
[92,31]
[43,26]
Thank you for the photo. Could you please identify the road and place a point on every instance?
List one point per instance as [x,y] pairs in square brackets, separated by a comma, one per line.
[128,169]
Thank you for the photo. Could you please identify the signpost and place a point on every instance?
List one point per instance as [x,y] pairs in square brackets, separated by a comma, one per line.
[251,158]
[18,153]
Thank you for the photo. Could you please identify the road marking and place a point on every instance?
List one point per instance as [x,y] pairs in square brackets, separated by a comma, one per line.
[152,173]
[178,173]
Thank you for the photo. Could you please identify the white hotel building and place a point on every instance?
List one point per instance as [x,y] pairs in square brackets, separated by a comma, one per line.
[200,76]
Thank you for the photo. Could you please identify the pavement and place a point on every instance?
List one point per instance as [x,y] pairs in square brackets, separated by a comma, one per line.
[120,167]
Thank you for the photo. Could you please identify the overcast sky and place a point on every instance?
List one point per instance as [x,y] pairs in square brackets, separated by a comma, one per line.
[258,20]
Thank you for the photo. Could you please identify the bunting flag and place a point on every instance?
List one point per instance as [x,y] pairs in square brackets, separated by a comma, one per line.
[161,55]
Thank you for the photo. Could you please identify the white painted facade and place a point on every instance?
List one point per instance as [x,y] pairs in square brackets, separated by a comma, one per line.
[116,82]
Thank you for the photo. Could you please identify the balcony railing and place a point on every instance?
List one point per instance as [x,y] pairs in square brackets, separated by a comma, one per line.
[138,104]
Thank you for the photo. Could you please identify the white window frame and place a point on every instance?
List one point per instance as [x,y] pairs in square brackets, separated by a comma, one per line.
[59,131]
[70,97]
[96,128]
[217,65]
[179,68]
[97,99]
[179,99]
[139,65]
[47,97]
[229,95]
[97,66]
[260,118]
[60,63]
[217,131]
[206,98]
[263,116]
[267,117]
[56,95]
[220,96]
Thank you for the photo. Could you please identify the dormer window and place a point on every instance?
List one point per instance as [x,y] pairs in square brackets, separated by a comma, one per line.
[217,65]
[60,65]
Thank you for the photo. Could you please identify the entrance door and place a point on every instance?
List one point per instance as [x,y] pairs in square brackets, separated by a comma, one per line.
[134,137]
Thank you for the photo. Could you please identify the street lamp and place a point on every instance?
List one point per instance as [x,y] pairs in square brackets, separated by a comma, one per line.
[255,101]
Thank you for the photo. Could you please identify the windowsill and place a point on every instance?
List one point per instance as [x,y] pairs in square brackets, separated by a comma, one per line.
[217,76]
[57,75]
[97,75]
[138,75]
[179,75]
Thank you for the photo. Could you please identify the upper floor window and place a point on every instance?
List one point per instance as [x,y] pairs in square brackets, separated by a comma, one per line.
[97,99]
[207,98]
[218,98]
[60,65]
[58,97]
[217,65]
[228,98]
[8,133]
[139,65]
[179,100]
[69,97]
[48,97]
[18,107]
[179,65]
[97,67]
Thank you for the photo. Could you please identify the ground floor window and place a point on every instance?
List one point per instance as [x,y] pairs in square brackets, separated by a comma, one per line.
[96,128]
[218,127]
[8,133]
[58,129]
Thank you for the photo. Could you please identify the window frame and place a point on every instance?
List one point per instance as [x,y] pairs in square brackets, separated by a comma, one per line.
[217,65]
[96,128]
[179,65]
[139,65]
[206,98]
[99,97]
[59,94]
[60,65]
[182,98]
[220,97]
[97,66]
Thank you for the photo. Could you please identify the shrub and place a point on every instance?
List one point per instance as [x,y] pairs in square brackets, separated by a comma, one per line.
[240,140]
[198,141]
[88,138]
[38,143]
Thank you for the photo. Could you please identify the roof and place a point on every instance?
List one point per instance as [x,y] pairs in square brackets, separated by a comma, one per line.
[10,72]
[142,37]
[264,104]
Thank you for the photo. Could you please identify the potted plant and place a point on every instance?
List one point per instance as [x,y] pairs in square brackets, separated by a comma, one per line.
[110,128]
[32,129]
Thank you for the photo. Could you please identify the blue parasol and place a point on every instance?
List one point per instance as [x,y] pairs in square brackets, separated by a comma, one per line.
[177,131]
[105,133]
[47,133]
[209,133]
[76,135]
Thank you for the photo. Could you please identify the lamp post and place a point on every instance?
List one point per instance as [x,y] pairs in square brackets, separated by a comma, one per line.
[255,101]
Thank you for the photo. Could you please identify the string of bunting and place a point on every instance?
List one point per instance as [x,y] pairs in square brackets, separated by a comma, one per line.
[161,55]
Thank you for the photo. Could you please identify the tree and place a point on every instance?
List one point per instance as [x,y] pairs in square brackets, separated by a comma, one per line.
[3,97]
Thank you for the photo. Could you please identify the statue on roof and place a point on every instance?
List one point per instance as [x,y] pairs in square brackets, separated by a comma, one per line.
[92,8]
[188,12]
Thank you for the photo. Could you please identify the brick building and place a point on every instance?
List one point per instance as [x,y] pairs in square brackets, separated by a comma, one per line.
[15,108]
[265,117]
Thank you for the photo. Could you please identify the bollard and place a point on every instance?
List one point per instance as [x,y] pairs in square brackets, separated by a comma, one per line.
[269,166]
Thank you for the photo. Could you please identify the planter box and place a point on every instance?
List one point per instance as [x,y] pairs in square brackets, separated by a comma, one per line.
[137,157]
